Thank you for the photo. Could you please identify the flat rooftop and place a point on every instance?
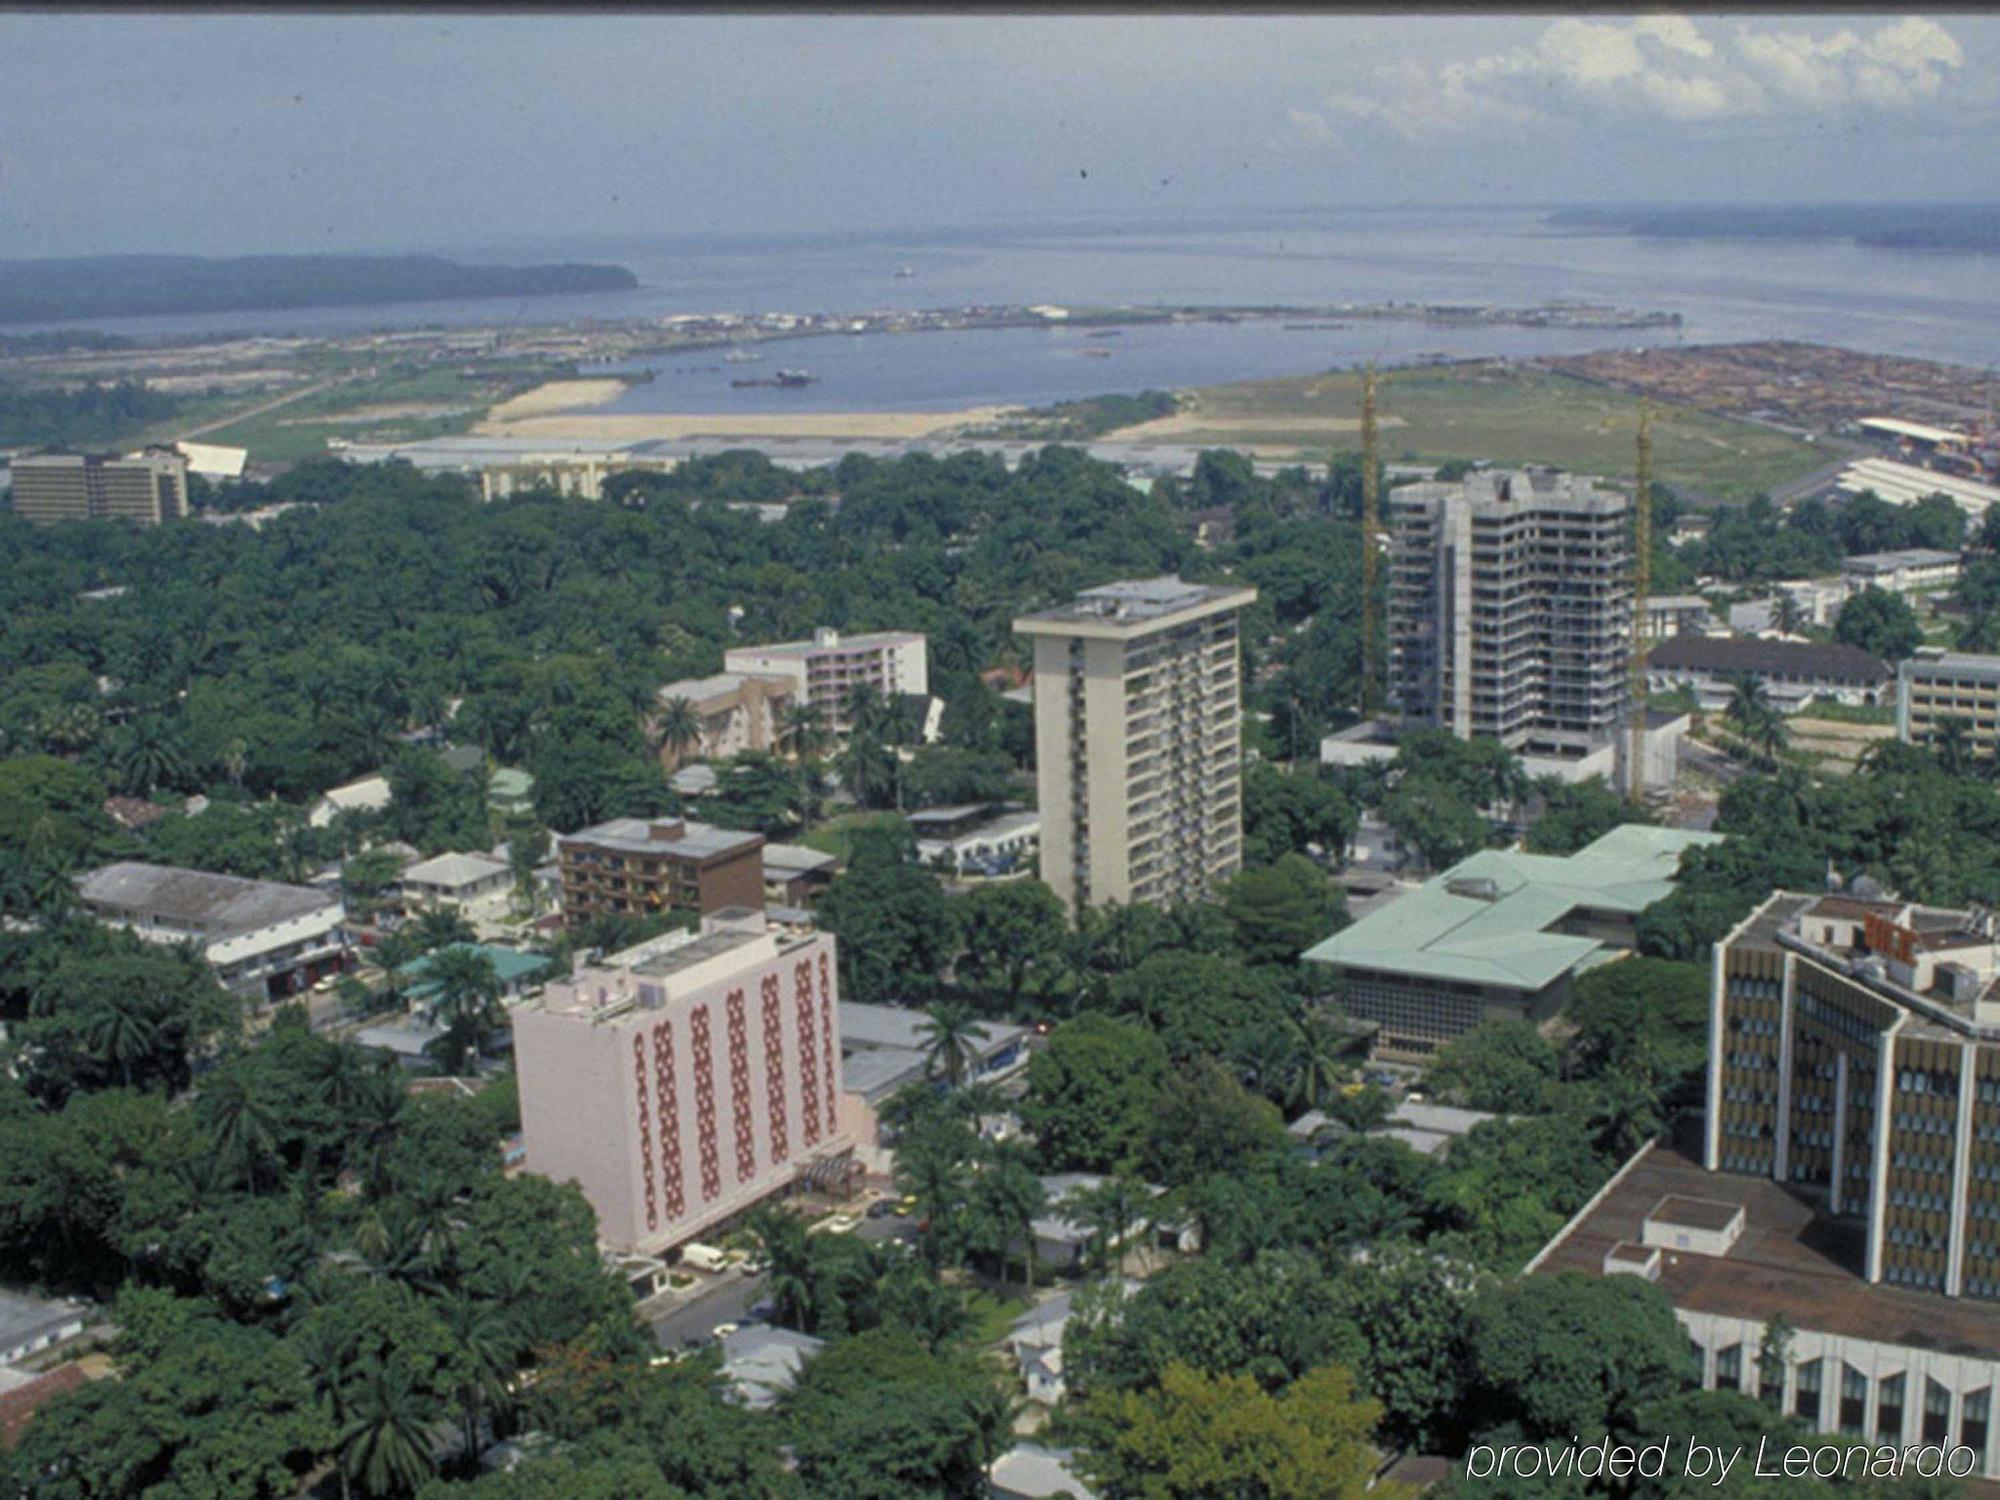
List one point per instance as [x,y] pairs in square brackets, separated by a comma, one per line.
[1138,604]
[902,1028]
[868,640]
[1953,663]
[1789,1260]
[637,836]
[215,905]
[1488,919]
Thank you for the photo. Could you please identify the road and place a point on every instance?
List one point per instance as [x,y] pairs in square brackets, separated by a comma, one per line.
[257,411]
[677,1320]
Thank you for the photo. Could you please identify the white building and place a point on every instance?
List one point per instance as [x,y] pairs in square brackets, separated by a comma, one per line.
[264,940]
[824,671]
[1913,570]
[477,885]
[369,794]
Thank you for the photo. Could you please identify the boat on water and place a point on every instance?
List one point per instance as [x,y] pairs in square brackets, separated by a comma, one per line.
[904,273]
[784,380]
[1097,354]
[1105,333]
[741,357]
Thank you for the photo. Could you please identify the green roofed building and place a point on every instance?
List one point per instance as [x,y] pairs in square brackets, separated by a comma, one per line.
[516,971]
[1497,936]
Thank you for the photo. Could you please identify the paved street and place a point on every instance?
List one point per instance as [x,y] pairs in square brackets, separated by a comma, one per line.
[675,1320]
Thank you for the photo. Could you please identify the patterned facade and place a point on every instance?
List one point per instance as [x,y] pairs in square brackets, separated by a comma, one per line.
[686,1080]
[1856,1057]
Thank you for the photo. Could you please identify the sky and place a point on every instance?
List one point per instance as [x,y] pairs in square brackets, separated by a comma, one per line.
[126,132]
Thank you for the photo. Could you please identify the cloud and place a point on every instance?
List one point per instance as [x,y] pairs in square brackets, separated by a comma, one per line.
[1663,67]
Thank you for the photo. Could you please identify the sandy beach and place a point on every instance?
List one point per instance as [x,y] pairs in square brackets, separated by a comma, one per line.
[507,420]
[554,396]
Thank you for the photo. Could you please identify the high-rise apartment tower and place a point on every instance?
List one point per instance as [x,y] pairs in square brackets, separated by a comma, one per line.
[1138,740]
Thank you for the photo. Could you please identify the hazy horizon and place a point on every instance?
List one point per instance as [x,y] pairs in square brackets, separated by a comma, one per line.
[245,134]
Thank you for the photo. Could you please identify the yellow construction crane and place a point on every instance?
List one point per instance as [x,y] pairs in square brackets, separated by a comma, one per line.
[1642,581]
[1371,523]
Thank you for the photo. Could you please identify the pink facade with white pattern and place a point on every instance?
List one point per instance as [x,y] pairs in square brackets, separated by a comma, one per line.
[679,1090]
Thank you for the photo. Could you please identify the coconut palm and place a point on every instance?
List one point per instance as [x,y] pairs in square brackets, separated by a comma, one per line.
[787,1252]
[1952,744]
[1107,1211]
[1007,1197]
[242,1123]
[802,732]
[678,728]
[150,755]
[1318,1060]
[1748,701]
[466,998]
[489,1351]
[385,1445]
[1787,614]
[123,1030]
[951,1035]
[328,1355]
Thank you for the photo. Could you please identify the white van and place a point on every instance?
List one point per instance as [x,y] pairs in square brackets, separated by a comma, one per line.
[704,1257]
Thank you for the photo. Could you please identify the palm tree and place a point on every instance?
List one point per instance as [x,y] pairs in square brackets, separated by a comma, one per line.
[1006,1199]
[930,1168]
[787,1252]
[489,1350]
[242,1123]
[328,1355]
[801,731]
[1787,614]
[124,1031]
[466,999]
[1317,1057]
[1107,1210]
[1748,701]
[385,1444]
[678,728]
[951,1034]
[151,755]
[1952,744]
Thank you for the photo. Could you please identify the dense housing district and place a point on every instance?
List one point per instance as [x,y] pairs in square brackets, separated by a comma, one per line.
[997,968]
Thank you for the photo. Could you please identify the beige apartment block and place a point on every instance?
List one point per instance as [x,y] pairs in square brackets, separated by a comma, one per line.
[1138,740]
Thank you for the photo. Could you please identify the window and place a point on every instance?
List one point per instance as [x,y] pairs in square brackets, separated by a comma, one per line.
[1972,1420]
[1937,1412]
[1805,1395]
[1889,1410]
[1853,1400]
[1729,1368]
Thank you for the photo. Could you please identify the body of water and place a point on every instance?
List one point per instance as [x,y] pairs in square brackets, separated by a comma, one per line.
[1924,304]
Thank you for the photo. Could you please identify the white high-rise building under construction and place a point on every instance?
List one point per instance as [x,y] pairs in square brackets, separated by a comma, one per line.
[1510,609]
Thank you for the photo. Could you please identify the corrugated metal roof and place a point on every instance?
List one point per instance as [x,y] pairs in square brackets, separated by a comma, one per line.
[214,905]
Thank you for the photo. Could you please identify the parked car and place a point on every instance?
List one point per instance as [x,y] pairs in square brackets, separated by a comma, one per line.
[881,1208]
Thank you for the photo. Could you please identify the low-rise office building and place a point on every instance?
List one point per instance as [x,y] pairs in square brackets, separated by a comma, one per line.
[1793,672]
[147,488]
[640,866]
[795,875]
[263,939]
[1676,614]
[1497,936]
[1913,570]
[976,837]
[686,1080]
[368,795]
[1933,687]
[1734,1254]
[885,1049]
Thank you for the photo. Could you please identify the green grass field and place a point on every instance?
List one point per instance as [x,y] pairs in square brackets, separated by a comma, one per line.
[1506,415]
[364,409]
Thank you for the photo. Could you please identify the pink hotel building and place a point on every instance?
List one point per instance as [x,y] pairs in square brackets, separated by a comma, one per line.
[691,1080]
